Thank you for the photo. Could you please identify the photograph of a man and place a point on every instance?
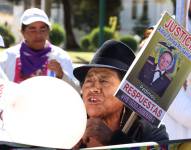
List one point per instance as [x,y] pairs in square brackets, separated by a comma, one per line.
[155,75]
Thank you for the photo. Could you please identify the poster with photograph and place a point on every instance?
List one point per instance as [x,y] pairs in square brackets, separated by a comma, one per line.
[158,72]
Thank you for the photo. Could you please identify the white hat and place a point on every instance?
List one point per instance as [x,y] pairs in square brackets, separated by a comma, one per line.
[33,15]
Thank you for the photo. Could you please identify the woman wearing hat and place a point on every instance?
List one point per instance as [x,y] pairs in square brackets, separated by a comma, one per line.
[35,55]
[106,114]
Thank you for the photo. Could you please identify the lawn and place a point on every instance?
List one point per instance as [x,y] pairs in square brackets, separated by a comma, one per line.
[80,57]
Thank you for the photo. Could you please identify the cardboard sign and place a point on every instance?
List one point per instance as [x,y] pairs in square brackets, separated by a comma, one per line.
[158,72]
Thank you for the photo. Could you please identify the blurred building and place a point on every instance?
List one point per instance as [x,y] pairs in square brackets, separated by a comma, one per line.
[135,12]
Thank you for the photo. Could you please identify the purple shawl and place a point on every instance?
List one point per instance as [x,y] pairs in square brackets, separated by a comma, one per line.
[32,60]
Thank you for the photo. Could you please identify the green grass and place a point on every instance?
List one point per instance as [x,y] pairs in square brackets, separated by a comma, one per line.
[80,57]
[1,50]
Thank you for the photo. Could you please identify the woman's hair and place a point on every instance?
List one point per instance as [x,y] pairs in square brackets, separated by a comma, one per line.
[23,27]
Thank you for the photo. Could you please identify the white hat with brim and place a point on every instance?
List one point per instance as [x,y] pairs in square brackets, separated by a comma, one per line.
[33,15]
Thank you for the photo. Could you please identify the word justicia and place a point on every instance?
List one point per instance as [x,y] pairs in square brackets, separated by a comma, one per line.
[178,32]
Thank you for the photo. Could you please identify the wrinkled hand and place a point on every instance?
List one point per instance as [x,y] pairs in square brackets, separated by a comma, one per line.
[97,133]
[56,67]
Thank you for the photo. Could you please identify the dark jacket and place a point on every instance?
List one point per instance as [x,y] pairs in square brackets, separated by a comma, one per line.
[141,131]
[146,76]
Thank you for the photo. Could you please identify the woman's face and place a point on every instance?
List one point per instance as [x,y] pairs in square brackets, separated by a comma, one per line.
[98,93]
[36,34]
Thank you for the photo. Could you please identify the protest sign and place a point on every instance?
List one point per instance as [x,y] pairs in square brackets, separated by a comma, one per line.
[158,72]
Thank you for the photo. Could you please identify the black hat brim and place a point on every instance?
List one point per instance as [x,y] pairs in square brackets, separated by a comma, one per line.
[80,72]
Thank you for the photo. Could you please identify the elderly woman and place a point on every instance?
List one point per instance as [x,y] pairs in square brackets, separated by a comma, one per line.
[106,113]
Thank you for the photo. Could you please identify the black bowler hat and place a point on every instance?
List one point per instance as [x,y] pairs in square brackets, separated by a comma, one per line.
[112,54]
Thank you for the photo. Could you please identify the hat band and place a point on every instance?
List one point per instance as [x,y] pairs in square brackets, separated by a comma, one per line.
[110,62]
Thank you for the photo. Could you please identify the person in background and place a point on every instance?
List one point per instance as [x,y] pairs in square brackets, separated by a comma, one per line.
[35,55]
[106,113]
[146,34]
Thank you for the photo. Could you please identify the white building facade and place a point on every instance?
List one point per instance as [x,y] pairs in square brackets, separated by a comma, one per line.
[134,9]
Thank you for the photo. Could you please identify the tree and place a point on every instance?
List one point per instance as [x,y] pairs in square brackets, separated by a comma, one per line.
[143,21]
[86,12]
[70,39]
[47,7]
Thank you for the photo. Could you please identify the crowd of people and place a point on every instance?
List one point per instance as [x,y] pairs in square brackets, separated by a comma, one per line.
[96,81]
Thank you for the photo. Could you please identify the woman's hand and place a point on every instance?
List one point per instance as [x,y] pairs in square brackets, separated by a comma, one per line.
[55,66]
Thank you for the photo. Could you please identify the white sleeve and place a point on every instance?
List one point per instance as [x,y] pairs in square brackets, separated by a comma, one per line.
[3,60]
[67,67]
[180,109]
[8,61]
[174,129]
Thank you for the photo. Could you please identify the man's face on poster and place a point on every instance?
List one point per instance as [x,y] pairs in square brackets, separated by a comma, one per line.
[165,61]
